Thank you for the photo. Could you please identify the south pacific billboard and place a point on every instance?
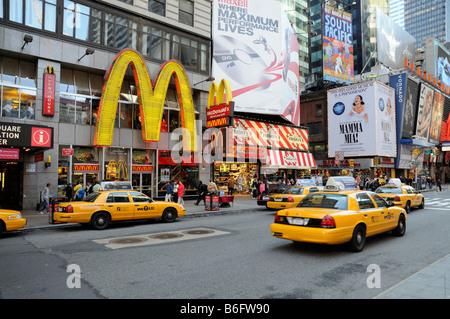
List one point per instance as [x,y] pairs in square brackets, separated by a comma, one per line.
[256,50]
[361,120]
[337,45]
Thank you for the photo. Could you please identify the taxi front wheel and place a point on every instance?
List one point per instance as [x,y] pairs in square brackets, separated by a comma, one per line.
[100,220]
[169,215]
[358,240]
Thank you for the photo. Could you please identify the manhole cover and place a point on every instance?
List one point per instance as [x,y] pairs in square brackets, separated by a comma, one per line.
[130,240]
[199,232]
[166,236]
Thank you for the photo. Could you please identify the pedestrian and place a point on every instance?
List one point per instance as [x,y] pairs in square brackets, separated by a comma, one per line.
[262,188]
[438,183]
[180,193]
[254,189]
[96,187]
[169,189]
[79,195]
[212,187]
[69,191]
[175,192]
[45,198]
[231,183]
[202,189]
[89,188]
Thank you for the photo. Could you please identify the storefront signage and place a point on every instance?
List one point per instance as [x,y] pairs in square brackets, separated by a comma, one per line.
[116,170]
[9,153]
[86,167]
[12,134]
[142,168]
[48,99]
[151,99]
[286,159]
[220,108]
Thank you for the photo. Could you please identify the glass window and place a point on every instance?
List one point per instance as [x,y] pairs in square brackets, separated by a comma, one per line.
[203,57]
[389,190]
[364,201]
[157,6]
[33,13]
[67,109]
[186,12]
[95,28]
[67,84]
[69,18]
[10,101]
[16,10]
[174,118]
[10,71]
[96,84]
[1,8]
[321,200]
[82,22]
[118,197]
[82,111]
[27,74]
[82,83]
[139,197]
[50,15]
[27,104]
[379,201]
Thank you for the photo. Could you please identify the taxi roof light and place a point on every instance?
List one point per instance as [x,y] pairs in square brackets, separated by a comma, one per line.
[338,183]
[395,182]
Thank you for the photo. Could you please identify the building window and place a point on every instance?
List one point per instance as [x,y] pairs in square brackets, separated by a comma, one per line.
[156,43]
[186,12]
[185,50]
[157,6]
[120,32]
[318,110]
[18,88]
[40,14]
[127,1]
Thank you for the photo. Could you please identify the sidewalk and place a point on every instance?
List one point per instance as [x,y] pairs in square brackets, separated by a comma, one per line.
[241,204]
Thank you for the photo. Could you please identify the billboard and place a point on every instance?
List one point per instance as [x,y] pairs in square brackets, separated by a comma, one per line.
[437,61]
[337,45]
[256,50]
[361,120]
[436,118]
[424,111]
[393,42]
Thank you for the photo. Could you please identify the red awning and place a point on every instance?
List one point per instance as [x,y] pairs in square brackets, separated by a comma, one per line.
[290,160]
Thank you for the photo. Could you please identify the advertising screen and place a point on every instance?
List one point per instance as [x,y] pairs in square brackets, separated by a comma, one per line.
[337,45]
[361,120]
[424,111]
[436,118]
[256,50]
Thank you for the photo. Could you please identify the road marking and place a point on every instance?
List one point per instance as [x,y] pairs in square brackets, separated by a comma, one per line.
[159,238]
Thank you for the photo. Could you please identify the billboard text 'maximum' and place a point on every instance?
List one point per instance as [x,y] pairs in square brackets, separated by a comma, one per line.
[239,3]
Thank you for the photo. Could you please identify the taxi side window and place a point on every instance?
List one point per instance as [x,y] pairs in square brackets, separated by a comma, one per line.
[379,201]
[313,190]
[409,190]
[139,198]
[364,201]
[119,197]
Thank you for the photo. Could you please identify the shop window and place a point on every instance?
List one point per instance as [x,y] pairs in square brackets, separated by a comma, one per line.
[10,102]
[96,82]
[82,82]
[186,12]
[82,111]
[174,120]
[27,104]
[157,6]
[67,84]
[10,71]
[67,109]
[1,8]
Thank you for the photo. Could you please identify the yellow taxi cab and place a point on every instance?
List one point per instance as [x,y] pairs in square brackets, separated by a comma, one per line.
[339,214]
[100,208]
[293,195]
[11,220]
[401,195]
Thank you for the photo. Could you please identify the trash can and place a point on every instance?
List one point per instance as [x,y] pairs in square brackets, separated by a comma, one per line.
[212,201]
[53,205]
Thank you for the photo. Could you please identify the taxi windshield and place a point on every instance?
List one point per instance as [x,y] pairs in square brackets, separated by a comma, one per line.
[321,200]
[294,191]
[389,190]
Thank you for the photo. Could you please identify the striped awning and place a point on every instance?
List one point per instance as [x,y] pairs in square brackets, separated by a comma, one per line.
[290,160]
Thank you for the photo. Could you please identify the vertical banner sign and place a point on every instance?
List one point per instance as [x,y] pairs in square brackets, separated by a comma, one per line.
[256,49]
[48,100]
[337,46]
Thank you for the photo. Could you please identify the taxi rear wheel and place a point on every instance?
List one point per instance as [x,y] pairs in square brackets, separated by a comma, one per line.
[408,207]
[100,220]
[401,227]
[169,215]
[358,240]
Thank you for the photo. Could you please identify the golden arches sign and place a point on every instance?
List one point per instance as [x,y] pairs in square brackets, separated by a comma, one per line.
[221,91]
[151,99]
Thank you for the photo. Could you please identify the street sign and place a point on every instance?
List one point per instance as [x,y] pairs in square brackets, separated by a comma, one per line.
[416,152]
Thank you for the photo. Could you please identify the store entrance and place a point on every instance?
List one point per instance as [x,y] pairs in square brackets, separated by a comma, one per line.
[143,183]
[83,178]
[11,185]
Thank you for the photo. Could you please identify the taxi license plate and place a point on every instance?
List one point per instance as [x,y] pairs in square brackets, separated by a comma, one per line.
[278,199]
[265,197]
[299,221]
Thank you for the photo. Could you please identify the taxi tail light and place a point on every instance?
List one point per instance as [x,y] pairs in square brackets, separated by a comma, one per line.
[290,199]
[397,198]
[328,222]
[277,219]
[271,198]
[69,209]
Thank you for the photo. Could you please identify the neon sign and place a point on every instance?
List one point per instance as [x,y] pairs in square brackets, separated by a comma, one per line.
[150,97]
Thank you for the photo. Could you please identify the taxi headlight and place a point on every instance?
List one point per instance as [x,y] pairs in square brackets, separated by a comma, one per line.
[180,207]
[14,216]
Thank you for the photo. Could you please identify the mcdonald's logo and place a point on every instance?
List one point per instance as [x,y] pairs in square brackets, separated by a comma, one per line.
[220,108]
[116,170]
[151,99]
[49,70]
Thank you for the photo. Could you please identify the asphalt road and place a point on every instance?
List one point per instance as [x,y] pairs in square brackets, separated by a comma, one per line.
[224,256]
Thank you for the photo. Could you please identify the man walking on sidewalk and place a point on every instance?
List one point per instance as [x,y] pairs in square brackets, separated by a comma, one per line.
[45,197]
[202,189]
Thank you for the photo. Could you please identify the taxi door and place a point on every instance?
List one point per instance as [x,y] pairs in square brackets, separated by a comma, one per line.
[119,205]
[143,206]
[372,215]
[414,195]
[388,221]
